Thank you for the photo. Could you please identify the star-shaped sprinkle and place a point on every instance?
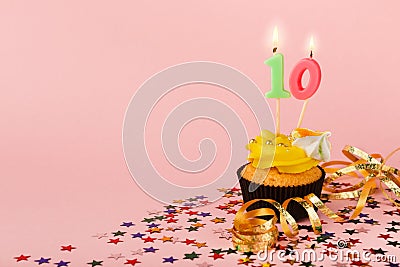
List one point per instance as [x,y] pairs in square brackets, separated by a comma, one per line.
[192,228]
[386,236]
[22,258]
[223,190]
[218,220]
[204,214]
[116,256]
[191,256]
[148,220]
[138,235]
[95,263]
[173,229]
[118,233]
[322,238]
[132,262]
[392,229]
[169,259]
[154,230]
[379,251]
[218,251]
[67,248]
[159,218]
[200,245]
[43,260]
[394,223]
[100,235]
[350,231]
[392,243]
[166,239]
[354,241]
[115,241]
[62,263]
[355,221]
[150,249]
[362,230]
[330,245]
[198,225]
[385,212]
[149,239]
[248,254]
[127,224]
[230,251]
[189,241]
[371,221]
[194,220]
[153,225]
[359,263]
[245,261]
[137,252]
[216,256]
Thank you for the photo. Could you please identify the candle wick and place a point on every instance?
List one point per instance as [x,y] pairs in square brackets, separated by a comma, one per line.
[274,49]
[311,54]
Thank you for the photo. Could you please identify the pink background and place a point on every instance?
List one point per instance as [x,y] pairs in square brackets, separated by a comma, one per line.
[69,68]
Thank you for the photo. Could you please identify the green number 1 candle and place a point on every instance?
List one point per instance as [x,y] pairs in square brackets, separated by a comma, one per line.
[276,64]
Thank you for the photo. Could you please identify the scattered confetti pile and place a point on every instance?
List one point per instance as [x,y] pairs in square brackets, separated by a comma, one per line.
[194,232]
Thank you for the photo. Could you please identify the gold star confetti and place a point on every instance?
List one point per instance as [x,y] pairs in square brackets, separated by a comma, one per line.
[155,230]
[245,261]
[218,220]
[200,245]
[198,224]
[166,239]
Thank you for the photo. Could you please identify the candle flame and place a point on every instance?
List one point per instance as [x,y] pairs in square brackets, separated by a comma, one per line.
[311,46]
[275,39]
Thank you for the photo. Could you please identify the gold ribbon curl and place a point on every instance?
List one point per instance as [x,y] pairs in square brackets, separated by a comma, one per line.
[251,232]
[371,168]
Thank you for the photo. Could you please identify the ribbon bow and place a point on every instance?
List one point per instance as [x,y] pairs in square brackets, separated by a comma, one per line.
[371,170]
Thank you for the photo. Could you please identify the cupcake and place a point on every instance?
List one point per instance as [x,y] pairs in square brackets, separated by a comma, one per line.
[281,167]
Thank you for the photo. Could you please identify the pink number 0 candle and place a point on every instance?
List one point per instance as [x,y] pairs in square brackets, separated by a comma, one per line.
[296,87]
[295,84]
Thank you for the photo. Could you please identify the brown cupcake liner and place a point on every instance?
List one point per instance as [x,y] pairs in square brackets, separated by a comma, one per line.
[280,194]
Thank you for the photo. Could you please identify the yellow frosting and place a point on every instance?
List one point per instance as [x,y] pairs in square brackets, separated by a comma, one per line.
[268,150]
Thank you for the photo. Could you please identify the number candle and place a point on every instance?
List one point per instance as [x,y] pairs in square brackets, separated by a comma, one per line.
[277,91]
[296,75]
[276,64]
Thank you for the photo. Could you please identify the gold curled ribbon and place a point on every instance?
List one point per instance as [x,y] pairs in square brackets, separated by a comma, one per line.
[252,232]
[369,167]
